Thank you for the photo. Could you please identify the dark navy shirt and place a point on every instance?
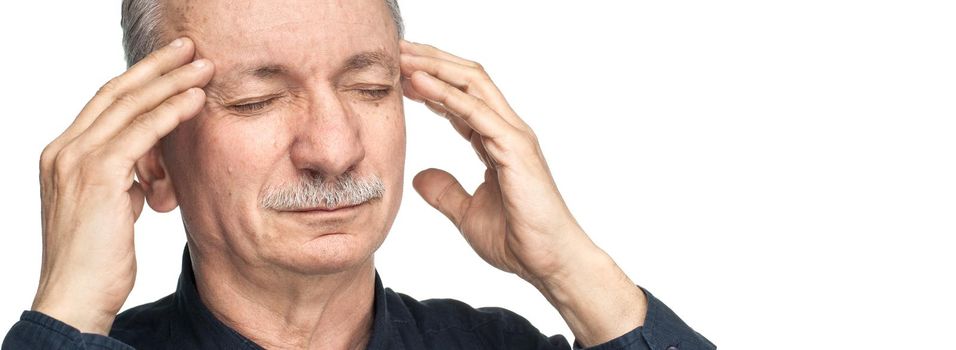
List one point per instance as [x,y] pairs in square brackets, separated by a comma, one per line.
[181,321]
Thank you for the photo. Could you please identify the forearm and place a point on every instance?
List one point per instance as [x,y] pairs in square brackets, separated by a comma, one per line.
[596,299]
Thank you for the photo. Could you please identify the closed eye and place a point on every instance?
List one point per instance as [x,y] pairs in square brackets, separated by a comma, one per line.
[253,106]
[375,94]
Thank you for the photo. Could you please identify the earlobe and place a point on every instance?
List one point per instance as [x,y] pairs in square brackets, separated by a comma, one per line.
[152,174]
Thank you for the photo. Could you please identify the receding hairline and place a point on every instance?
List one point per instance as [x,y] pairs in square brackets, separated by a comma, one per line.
[146,25]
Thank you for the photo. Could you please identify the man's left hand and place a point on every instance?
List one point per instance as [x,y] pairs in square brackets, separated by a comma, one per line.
[516,220]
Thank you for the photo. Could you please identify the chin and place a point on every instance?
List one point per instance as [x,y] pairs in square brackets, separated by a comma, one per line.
[324,246]
[330,254]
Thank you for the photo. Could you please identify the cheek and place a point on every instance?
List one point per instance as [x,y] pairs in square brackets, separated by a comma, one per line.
[383,128]
[233,154]
[384,131]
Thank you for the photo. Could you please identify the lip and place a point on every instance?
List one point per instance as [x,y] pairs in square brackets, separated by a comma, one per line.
[319,210]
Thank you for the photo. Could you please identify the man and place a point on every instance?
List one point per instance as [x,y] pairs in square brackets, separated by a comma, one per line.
[278,129]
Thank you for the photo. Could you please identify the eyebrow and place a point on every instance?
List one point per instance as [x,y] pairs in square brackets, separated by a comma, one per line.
[358,62]
[368,59]
[267,71]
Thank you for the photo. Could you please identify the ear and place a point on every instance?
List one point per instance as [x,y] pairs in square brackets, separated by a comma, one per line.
[152,175]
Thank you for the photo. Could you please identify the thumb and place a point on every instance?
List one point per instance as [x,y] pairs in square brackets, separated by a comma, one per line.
[443,192]
[137,197]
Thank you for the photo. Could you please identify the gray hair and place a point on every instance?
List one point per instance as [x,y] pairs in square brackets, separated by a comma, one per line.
[142,22]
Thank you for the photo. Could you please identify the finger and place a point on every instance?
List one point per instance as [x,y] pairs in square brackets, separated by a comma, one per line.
[482,153]
[466,132]
[145,98]
[159,62]
[463,129]
[409,91]
[453,73]
[473,111]
[428,50]
[144,132]
[443,192]
[470,80]
[456,122]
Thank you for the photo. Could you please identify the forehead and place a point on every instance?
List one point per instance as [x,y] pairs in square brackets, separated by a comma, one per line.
[316,34]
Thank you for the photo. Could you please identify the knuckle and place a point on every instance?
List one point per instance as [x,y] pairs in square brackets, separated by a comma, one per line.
[172,107]
[139,124]
[64,161]
[143,125]
[516,139]
[530,146]
[484,77]
[445,93]
[476,109]
[478,76]
[111,87]
[531,137]
[128,100]
[47,157]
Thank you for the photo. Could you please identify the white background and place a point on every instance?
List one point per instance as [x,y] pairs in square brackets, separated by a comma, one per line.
[781,173]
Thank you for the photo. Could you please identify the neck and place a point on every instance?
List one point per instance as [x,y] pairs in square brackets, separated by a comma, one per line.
[286,310]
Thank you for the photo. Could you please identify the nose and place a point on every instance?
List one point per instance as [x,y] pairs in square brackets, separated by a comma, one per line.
[328,139]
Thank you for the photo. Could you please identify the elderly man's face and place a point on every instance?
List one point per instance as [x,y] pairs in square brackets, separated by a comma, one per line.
[301,89]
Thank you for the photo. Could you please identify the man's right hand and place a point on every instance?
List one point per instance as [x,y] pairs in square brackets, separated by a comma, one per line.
[90,199]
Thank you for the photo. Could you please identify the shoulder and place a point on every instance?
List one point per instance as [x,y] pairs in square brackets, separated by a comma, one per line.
[442,322]
[435,315]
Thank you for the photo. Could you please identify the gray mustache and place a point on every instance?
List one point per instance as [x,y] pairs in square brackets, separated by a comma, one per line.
[311,192]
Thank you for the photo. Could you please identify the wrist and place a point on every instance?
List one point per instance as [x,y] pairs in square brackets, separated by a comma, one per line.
[75,312]
[579,272]
[595,297]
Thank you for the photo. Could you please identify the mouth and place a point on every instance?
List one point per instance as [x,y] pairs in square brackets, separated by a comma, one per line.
[323,209]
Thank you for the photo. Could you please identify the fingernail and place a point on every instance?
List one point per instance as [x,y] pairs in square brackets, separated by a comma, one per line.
[176,43]
[199,63]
